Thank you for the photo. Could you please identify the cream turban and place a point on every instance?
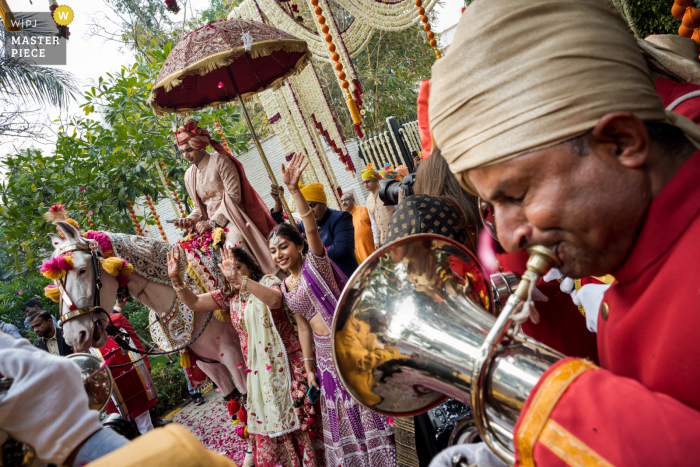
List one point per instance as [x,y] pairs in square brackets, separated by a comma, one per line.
[523,75]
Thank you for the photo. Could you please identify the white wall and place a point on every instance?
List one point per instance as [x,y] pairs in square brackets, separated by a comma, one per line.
[257,174]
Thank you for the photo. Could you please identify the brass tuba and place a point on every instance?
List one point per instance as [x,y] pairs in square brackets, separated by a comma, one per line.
[415,325]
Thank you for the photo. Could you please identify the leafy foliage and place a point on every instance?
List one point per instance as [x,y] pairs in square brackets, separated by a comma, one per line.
[100,163]
[171,385]
[35,83]
[102,158]
[654,17]
[15,290]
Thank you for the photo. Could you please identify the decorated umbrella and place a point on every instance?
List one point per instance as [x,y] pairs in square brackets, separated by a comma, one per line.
[227,61]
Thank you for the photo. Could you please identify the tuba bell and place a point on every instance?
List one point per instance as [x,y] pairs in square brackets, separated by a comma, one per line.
[415,325]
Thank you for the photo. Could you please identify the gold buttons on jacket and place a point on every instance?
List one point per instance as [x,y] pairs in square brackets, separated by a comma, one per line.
[604,311]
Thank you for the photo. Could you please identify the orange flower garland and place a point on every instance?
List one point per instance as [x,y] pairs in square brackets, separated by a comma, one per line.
[156,218]
[426,26]
[177,198]
[139,231]
[357,120]
[690,19]
[87,216]
[221,134]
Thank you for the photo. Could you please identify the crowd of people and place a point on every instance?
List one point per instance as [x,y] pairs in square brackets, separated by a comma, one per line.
[575,151]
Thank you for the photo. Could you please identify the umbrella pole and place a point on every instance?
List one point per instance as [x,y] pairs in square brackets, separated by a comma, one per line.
[260,149]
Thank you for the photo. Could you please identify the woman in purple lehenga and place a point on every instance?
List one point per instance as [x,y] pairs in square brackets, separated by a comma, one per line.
[353,435]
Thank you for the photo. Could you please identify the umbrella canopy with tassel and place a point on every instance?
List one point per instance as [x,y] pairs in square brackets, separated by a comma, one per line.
[227,61]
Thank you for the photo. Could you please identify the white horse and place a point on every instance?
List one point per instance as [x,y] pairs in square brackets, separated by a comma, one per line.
[218,343]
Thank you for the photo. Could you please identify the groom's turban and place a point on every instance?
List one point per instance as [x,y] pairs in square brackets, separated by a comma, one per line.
[523,75]
[197,137]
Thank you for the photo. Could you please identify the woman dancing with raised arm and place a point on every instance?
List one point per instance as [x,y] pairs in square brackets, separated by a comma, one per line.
[281,421]
[353,435]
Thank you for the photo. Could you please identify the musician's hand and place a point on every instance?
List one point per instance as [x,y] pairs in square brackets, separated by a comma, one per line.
[202,227]
[276,192]
[377,246]
[174,266]
[229,268]
[184,223]
[292,174]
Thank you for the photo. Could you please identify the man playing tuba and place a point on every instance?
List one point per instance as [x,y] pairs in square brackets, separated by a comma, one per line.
[561,130]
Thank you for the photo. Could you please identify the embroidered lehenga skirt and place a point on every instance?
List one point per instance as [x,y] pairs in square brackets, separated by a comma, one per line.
[354,436]
[300,448]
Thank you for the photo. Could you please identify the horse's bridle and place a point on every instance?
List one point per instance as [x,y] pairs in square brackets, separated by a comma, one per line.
[74,311]
[118,336]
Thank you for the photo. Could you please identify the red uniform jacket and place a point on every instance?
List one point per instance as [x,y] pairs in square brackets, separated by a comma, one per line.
[643,407]
[670,91]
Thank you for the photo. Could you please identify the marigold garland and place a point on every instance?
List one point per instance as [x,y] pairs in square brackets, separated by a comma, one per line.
[426,26]
[156,217]
[221,134]
[139,231]
[352,105]
[87,216]
[685,11]
[174,190]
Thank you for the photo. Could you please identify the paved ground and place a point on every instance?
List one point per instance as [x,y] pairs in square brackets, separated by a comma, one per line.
[211,423]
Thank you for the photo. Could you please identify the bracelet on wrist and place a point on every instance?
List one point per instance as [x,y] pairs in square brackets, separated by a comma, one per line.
[308,359]
[178,288]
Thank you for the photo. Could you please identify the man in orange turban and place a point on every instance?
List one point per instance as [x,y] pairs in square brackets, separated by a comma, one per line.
[335,227]
[222,195]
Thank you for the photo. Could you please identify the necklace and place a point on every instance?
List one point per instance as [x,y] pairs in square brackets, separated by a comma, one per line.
[294,280]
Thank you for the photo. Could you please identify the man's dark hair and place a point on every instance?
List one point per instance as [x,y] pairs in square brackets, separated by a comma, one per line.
[669,138]
[31,304]
[45,315]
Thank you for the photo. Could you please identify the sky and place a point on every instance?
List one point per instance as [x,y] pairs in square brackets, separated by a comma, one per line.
[90,57]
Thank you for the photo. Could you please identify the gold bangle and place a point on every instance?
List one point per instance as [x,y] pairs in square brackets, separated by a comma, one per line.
[177,289]
[307,213]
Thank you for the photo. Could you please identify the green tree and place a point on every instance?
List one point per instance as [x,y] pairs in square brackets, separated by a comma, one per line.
[33,83]
[98,165]
[654,17]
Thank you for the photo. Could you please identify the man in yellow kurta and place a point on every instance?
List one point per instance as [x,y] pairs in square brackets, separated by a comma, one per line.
[364,236]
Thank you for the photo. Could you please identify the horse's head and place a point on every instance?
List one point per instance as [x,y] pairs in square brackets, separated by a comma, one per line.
[86,330]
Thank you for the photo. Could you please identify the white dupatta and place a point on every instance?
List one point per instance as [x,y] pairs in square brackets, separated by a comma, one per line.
[270,409]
